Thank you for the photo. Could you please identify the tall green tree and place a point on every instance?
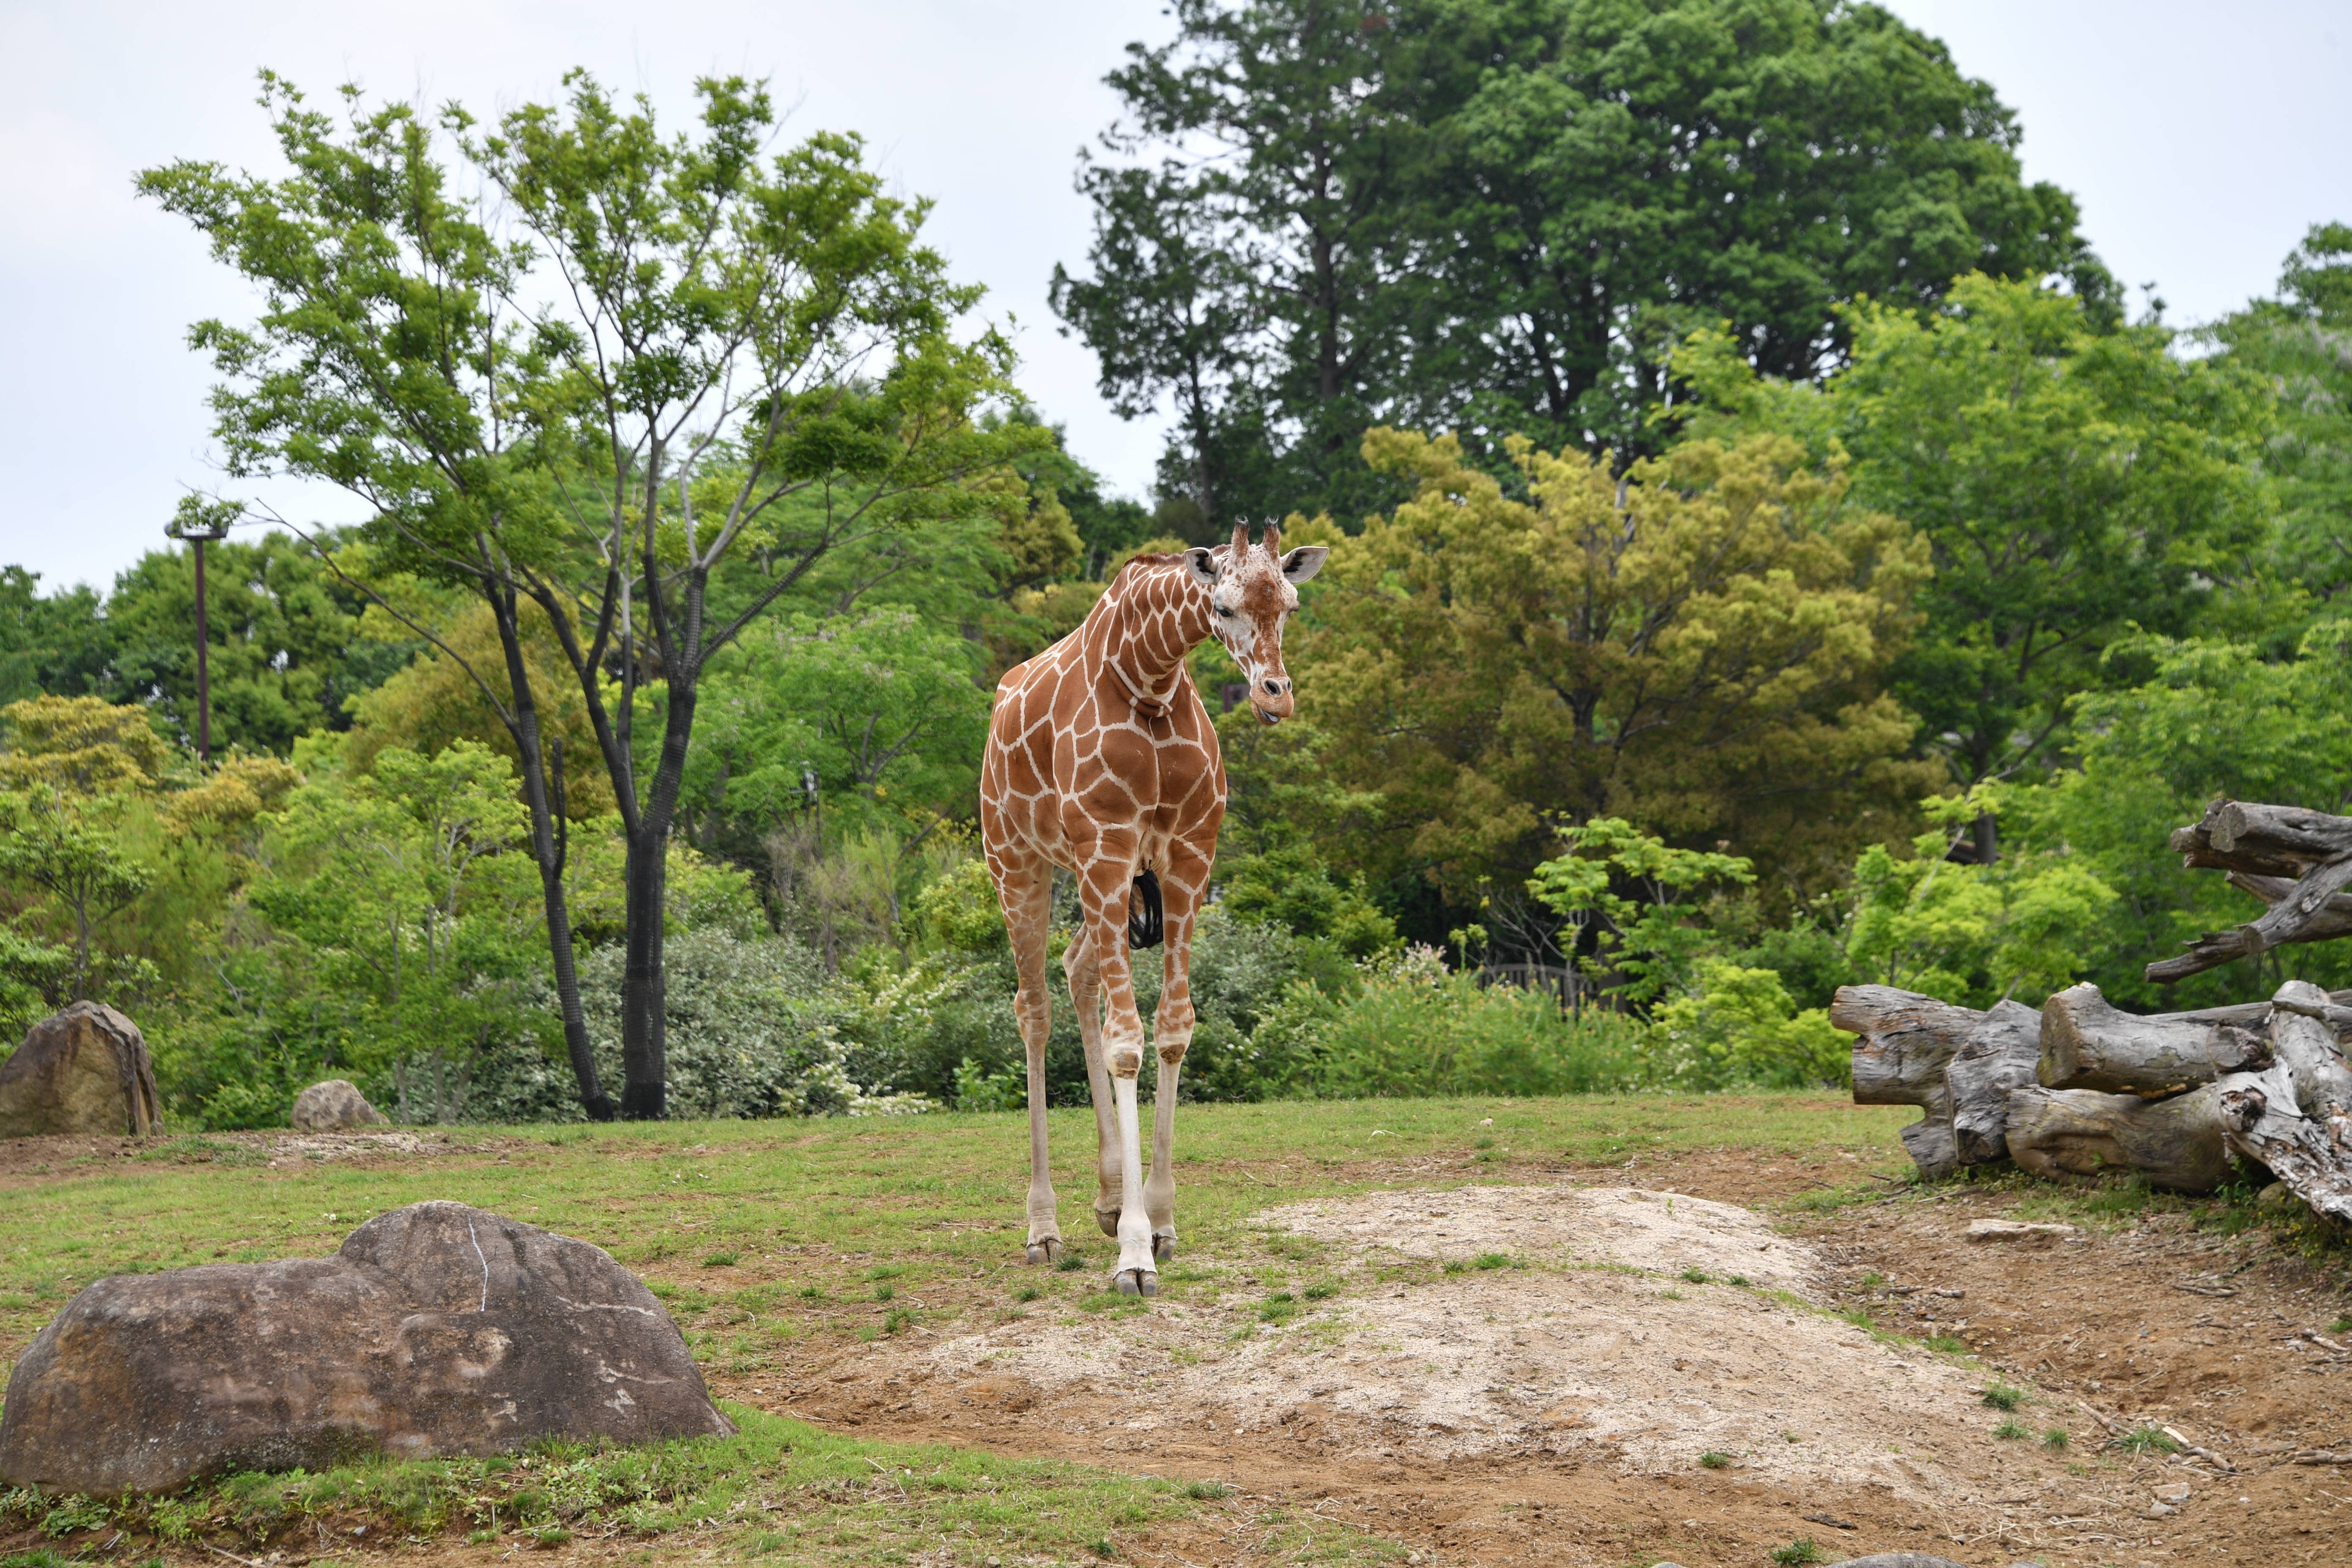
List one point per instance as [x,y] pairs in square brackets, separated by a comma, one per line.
[1701,647]
[1495,216]
[2300,343]
[2075,484]
[652,357]
[386,360]
[55,643]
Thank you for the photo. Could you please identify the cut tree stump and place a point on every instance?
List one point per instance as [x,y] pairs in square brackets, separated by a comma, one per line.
[1904,1042]
[2176,1144]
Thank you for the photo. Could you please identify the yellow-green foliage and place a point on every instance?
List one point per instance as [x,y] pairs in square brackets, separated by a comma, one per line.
[1698,646]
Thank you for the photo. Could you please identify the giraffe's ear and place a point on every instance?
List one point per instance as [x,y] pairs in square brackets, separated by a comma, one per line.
[1203,564]
[1304,561]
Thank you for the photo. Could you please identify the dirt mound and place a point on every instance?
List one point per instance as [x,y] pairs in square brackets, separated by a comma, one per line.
[1628,1227]
[1614,1334]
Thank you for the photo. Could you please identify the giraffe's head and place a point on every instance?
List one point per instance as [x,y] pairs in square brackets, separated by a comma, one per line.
[1251,594]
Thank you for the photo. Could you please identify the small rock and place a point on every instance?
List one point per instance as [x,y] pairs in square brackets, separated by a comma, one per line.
[2021,1232]
[436,1330]
[334,1106]
[2161,1510]
[85,1070]
[2175,1495]
[2277,1197]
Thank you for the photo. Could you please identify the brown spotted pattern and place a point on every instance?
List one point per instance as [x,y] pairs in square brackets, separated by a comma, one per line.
[1102,760]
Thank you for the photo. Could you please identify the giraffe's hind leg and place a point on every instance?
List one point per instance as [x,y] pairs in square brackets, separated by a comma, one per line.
[1184,885]
[1025,890]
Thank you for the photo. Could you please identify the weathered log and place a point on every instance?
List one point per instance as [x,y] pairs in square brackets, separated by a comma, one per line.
[1999,1054]
[2289,832]
[2260,1121]
[2333,920]
[2296,1117]
[2299,861]
[2088,1043]
[2176,1144]
[2303,1044]
[1904,1042]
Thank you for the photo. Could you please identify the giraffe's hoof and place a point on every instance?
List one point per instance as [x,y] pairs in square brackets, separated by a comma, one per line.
[1163,1246]
[1136,1282]
[1045,1250]
[1109,1221]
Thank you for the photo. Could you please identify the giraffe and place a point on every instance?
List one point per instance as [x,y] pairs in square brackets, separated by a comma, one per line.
[1102,760]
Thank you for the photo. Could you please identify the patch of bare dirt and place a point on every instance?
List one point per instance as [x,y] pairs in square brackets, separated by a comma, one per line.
[1559,1412]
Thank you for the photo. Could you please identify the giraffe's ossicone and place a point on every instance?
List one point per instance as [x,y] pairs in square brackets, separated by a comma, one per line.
[1102,760]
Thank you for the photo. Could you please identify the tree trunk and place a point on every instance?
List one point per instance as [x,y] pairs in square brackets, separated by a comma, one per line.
[2087,1043]
[1999,1055]
[645,1017]
[549,848]
[2176,1144]
[2302,1043]
[2295,1115]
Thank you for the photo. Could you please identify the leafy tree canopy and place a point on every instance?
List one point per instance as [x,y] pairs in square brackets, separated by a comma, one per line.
[2073,484]
[1700,647]
[1493,215]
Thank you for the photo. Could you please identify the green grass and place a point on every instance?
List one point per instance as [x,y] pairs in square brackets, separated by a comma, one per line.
[1797,1554]
[2055,1439]
[760,1236]
[778,1486]
[2147,1439]
[2004,1396]
[1713,1460]
[2012,1429]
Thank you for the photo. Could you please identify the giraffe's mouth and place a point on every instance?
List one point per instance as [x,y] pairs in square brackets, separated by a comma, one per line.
[1264,717]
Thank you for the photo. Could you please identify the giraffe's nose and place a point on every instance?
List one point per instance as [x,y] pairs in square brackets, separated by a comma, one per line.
[1275,688]
[1272,700]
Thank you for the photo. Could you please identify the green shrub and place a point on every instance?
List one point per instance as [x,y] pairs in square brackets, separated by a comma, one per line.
[1412,1029]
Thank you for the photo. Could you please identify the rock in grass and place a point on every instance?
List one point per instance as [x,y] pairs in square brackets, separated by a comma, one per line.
[436,1330]
[334,1106]
[85,1070]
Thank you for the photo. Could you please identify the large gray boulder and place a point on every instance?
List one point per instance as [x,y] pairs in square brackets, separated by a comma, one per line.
[86,1070]
[334,1106]
[436,1330]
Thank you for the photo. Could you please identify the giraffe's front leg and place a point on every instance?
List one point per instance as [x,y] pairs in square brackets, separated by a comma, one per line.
[1105,895]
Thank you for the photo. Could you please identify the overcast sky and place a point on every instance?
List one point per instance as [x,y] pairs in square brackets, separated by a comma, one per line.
[2199,138]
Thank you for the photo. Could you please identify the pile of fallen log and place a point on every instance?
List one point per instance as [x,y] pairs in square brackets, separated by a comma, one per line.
[2082,1089]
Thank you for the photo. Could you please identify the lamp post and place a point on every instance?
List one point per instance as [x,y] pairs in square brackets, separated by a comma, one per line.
[198,524]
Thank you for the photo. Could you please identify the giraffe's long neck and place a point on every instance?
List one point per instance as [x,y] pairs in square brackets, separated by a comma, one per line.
[1151,618]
